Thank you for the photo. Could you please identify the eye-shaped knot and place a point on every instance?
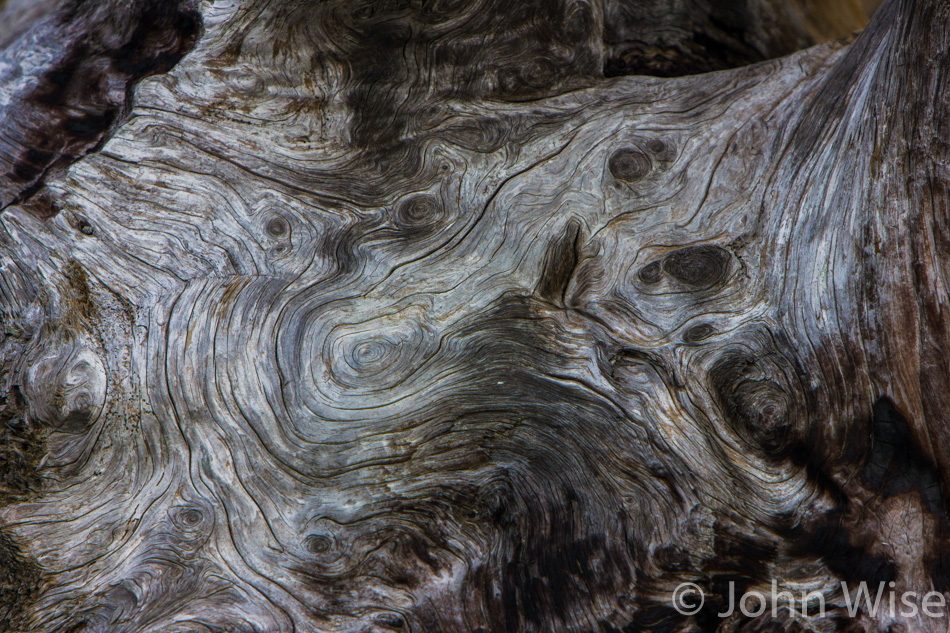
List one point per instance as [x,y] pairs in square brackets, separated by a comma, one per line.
[375,354]
[277,227]
[317,543]
[190,521]
[757,399]
[698,266]
[699,332]
[629,165]
[419,212]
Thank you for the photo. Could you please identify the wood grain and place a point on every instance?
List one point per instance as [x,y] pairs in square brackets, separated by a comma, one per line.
[435,317]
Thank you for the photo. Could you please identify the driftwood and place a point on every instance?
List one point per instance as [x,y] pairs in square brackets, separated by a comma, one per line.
[441,317]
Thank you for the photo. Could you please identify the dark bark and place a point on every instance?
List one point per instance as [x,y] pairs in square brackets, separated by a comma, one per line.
[67,80]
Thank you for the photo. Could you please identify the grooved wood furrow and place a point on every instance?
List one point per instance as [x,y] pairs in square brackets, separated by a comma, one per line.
[399,317]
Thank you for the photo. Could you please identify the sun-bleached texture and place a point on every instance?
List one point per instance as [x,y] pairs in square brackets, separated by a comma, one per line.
[402,316]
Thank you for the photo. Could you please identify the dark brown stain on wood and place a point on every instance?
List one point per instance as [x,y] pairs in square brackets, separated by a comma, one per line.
[19,585]
[22,447]
[896,465]
[559,264]
[97,55]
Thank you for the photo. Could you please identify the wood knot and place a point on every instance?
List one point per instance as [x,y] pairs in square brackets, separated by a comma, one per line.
[698,333]
[756,399]
[278,251]
[699,267]
[664,151]
[190,526]
[419,212]
[372,356]
[390,620]
[317,543]
[367,356]
[188,518]
[690,269]
[652,273]
[65,387]
[84,227]
[277,227]
[629,165]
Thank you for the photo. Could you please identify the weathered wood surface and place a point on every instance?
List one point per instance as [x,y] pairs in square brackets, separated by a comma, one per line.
[402,316]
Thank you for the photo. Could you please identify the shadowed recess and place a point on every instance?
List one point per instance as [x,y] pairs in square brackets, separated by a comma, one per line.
[65,106]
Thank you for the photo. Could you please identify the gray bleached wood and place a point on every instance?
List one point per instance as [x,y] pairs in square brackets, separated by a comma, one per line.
[401,316]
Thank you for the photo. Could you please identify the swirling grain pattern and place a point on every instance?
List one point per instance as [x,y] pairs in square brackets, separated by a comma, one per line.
[400,316]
